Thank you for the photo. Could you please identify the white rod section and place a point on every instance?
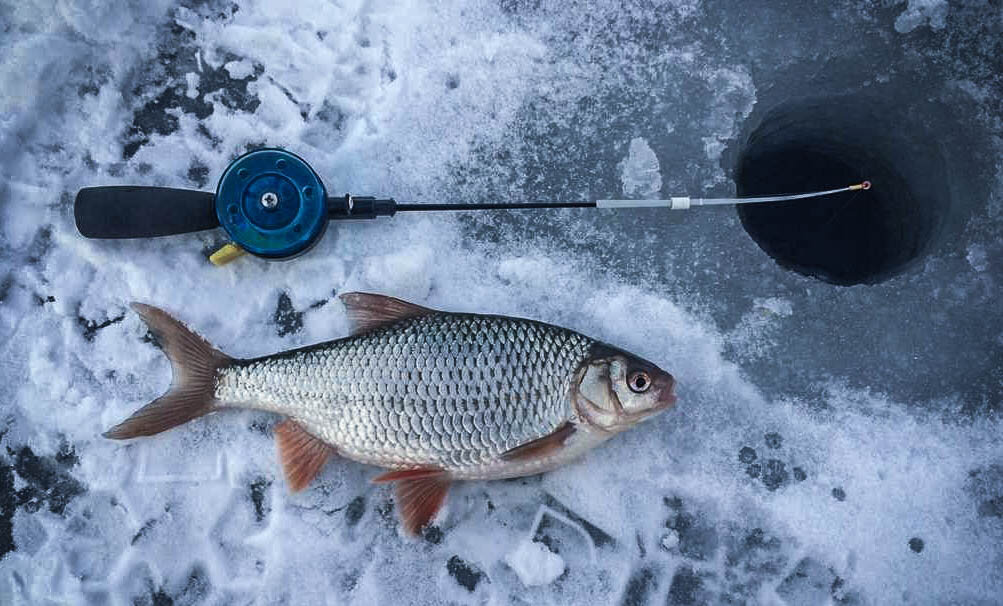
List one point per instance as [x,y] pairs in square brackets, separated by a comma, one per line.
[685,202]
[679,203]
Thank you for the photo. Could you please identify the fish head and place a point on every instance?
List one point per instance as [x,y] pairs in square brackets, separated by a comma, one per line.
[616,389]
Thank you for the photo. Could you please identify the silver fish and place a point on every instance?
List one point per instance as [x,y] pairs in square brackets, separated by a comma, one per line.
[432,396]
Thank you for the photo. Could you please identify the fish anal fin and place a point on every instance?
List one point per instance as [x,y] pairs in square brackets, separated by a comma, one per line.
[541,447]
[368,311]
[420,494]
[302,454]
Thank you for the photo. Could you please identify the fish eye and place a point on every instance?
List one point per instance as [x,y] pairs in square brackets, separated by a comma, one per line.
[639,381]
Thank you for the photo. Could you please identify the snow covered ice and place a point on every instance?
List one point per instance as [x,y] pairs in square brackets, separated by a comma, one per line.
[831,444]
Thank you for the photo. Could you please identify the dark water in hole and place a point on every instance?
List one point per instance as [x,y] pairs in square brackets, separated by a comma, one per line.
[861,237]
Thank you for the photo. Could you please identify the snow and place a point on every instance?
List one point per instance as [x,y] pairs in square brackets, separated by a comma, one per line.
[535,564]
[639,171]
[977,258]
[239,70]
[193,85]
[729,496]
[922,12]
[669,540]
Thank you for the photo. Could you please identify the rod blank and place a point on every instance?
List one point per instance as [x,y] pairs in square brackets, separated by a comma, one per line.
[505,206]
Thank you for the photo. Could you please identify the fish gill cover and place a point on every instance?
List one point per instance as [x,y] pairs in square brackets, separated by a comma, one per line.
[830,443]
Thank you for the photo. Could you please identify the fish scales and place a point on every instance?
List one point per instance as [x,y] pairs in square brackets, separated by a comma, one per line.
[444,389]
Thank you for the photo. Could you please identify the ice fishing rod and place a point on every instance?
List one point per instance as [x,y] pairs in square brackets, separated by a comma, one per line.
[273,205]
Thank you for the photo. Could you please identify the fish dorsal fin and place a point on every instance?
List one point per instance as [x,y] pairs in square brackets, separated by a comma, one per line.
[420,494]
[302,454]
[541,447]
[368,311]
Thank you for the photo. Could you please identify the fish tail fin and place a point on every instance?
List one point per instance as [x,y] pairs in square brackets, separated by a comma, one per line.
[195,365]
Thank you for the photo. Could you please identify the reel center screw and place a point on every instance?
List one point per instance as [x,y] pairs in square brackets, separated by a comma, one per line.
[269,200]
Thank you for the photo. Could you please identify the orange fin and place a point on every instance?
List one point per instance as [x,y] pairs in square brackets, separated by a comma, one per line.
[302,455]
[368,312]
[420,494]
[194,364]
[541,446]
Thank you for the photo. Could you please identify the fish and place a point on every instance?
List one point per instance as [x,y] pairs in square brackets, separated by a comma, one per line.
[430,396]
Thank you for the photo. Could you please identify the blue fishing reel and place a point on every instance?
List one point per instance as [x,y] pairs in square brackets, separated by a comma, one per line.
[271,204]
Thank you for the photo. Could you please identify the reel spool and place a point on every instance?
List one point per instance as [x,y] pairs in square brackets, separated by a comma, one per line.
[271,204]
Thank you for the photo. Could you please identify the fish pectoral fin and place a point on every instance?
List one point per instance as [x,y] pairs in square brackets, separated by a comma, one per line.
[420,494]
[367,311]
[302,455]
[541,447]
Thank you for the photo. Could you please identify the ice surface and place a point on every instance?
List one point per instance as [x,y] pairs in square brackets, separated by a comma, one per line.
[739,494]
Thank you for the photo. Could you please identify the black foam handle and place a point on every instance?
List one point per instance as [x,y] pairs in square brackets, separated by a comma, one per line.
[125,211]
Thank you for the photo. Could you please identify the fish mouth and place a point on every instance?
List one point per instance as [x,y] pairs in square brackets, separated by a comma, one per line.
[667,397]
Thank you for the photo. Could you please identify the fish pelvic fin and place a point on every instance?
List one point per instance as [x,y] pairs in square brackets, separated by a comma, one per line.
[419,493]
[195,364]
[368,311]
[302,454]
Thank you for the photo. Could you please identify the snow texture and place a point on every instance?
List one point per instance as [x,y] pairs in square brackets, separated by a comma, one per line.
[814,455]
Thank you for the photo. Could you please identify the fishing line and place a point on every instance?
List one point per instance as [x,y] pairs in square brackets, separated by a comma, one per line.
[835,214]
